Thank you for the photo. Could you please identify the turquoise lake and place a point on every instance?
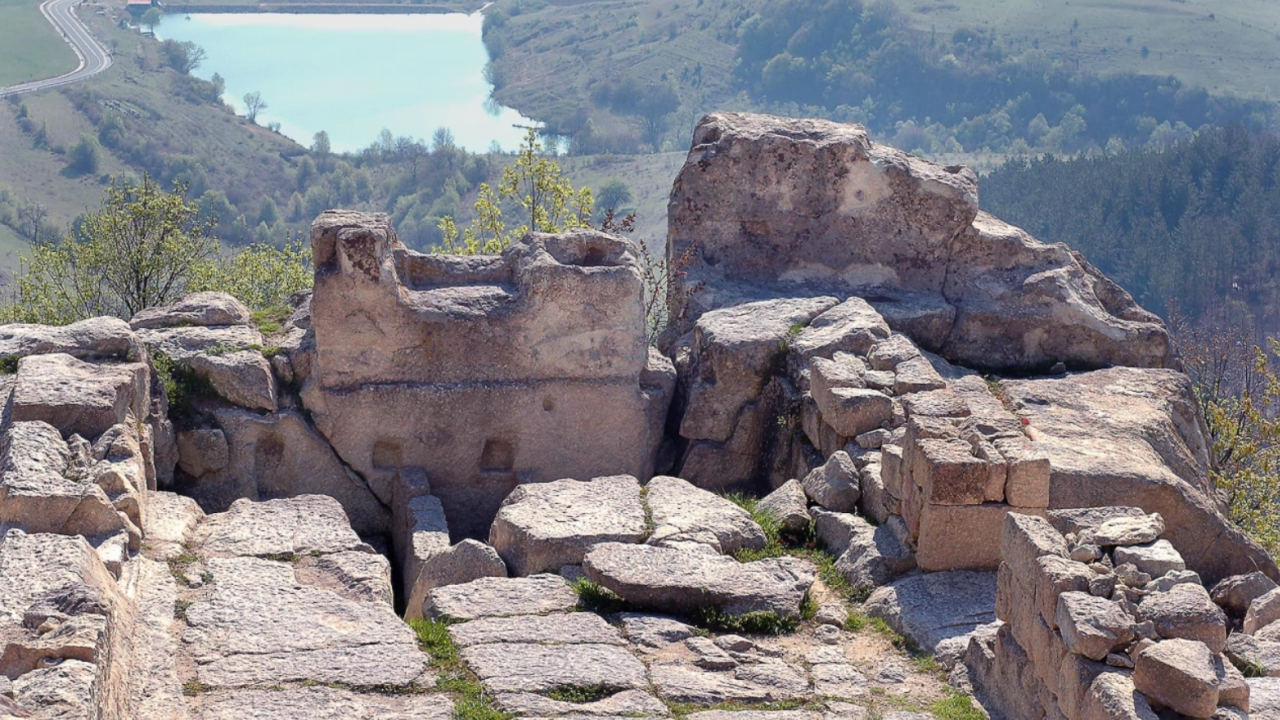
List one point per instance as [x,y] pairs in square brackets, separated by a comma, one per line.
[353,75]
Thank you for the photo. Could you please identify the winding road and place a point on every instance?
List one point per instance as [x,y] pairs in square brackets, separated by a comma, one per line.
[93,57]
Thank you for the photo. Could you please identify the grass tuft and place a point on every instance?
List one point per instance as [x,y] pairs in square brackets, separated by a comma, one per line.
[597,598]
[180,609]
[270,320]
[761,623]
[470,701]
[956,707]
[286,557]
[194,687]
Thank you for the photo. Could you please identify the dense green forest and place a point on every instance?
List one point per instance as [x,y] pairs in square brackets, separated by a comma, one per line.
[863,63]
[1195,228]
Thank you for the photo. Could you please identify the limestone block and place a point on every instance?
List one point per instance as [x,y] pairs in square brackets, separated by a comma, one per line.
[962,537]
[853,326]
[947,472]
[685,579]
[500,597]
[1024,538]
[788,505]
[93,339]
[684,513]
[1092,626]
[1187,612]
[1128,530]
[835,485]
[1154,558]
[79,397]
[1178,674]
[1028,472]
[852,411]
[545,525]
[1112,696]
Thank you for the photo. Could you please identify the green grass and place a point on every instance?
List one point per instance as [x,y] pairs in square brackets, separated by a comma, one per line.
[194,687]
[597,598]
[956,707]
[752,623]
[270,320]
[30,48]
[470,701]
[180,609]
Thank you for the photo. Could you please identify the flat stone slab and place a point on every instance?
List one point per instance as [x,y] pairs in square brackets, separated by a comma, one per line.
[683,580]
[628,703]
[322,703]
[260,626]
[559,629]
[302,525]
[501,597]
[935,608]
[529,667]
[684,513]
[759,683]
[542,526]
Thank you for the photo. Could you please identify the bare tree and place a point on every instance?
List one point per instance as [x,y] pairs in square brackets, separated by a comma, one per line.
[253,104]
[32,217]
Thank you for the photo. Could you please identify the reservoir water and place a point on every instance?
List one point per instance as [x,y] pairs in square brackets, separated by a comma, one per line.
[353,75]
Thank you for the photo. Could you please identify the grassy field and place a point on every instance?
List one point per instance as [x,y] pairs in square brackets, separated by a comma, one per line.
[30,48]
[1225,46]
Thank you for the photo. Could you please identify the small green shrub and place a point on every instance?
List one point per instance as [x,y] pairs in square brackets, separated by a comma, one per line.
[581,693]
[761,623]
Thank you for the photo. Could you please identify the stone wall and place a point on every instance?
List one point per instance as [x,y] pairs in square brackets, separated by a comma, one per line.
[484,372]
[1102,620]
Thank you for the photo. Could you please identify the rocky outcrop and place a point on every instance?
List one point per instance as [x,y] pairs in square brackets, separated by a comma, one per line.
[802,188]
[1132,436]
[565,385]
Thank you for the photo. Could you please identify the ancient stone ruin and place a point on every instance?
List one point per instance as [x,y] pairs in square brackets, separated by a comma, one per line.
[870,400]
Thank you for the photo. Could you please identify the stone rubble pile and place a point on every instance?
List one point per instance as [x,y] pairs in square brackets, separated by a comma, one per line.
[1101,620]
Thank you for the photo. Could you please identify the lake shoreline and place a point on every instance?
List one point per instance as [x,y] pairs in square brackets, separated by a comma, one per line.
[311,9]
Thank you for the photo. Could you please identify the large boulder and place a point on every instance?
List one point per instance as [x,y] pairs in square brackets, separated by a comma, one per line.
[543,526]
[686,580]
[1130,436]
[817,207]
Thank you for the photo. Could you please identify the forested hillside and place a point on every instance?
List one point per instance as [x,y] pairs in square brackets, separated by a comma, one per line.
[1197,225]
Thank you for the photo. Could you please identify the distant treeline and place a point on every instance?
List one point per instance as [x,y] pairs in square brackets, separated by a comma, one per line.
[1196,227]
[861,62]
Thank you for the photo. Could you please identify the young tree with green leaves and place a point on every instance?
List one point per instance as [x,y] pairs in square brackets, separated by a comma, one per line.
[546,200]
[142,248]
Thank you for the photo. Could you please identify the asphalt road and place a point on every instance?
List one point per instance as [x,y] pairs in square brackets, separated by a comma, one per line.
[93,57]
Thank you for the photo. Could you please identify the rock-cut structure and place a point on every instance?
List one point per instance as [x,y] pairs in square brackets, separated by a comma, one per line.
[204,519]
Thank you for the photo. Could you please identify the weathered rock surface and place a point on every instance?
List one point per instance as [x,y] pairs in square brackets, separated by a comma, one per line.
[501,597]
[1129,436]
[835,486]
[684,580]
[938,611]
[565,386]
[1236,593]
[297,526]
[1178,674]
[322,703]
[40,491]
[97,338]
[804,187]
[683,513]
[1186,611]
[788,505]
[78,397]
[532,667]
[202,309]
[1154,559]
[1092,626]
[867,556]
[545,525]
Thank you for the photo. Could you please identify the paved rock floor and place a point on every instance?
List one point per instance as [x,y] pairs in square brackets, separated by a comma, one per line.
[267,631]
